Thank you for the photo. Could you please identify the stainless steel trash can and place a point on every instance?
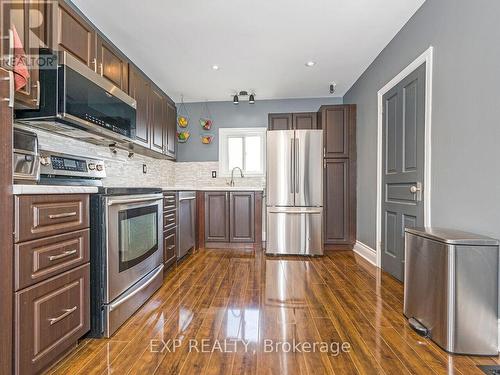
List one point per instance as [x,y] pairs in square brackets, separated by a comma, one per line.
[451,288]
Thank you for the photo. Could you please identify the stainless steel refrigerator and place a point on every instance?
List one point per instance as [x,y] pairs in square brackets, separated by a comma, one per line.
[294,194]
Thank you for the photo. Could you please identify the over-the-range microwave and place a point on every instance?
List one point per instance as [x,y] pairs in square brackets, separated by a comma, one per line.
[78,102]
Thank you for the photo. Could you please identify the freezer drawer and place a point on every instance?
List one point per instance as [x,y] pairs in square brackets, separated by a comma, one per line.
[451,288]
[294,231]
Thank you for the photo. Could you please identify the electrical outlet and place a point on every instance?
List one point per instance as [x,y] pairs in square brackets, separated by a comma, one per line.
[144,168]
[214,174]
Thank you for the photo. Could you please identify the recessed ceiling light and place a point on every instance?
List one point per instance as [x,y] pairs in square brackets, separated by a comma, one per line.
[310,64]
[215,67]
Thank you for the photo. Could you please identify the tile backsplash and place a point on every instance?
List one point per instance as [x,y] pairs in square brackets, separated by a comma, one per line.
[127,172]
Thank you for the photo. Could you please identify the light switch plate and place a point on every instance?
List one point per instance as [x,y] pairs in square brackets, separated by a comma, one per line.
[214,174]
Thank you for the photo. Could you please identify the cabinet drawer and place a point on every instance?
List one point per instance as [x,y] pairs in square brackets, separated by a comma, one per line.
[170,247]
[49,318]
[169,201]
[169,220]
[45,215]
[40,259]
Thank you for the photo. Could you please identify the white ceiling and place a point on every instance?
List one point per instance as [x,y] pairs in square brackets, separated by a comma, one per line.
[260,45]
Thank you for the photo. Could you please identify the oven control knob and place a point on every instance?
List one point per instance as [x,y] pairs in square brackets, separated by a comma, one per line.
[91,166]
[45,160]
[99,167]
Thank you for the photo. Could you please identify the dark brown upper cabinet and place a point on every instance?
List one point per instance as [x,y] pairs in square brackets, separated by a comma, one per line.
[156,119]
[171,114]
[242,216]
[291,121]
[217,216]
[307,120]
[71,33]
[24,14]
[139,90]
[338,123]
[112,64]
[280,121]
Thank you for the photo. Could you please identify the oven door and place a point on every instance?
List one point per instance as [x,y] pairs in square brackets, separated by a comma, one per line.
[134,247]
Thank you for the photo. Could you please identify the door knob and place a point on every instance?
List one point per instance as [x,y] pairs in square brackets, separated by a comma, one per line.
[414,189]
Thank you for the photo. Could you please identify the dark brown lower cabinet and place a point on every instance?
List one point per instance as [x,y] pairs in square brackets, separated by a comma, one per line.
[169,247]
[217,216]
[230,219]
[50,317]
[339,221]
[242,216]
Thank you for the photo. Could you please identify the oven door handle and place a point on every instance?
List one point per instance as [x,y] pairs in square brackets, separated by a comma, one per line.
[135,199]
[124,299]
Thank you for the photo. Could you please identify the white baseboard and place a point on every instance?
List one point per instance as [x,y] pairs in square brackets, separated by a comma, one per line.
[366,252]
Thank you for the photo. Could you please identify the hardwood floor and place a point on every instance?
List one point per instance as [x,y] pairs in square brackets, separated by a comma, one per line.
[222,296]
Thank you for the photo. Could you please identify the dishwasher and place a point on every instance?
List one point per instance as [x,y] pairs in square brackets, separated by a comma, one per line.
[187,220]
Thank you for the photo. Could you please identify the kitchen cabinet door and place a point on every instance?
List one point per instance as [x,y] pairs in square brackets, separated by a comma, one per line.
[156,119]
[280,121]
[242,216]
[24,14]
[170,247]
[306,120]
[139,88]
[216,216]
[71,33]
[338,126]
[171,128]
[111,64]
[337,212]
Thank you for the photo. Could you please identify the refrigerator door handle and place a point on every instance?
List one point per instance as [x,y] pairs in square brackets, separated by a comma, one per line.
[297,166]
[292,182]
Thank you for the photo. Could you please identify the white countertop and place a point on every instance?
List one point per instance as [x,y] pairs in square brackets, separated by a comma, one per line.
[213,188]
[52,189]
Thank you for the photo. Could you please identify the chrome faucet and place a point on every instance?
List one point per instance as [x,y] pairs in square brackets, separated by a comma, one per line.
[232,175]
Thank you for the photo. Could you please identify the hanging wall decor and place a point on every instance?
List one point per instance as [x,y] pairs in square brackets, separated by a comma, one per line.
[182,115]
[206,139]
[206,118]
[183,136]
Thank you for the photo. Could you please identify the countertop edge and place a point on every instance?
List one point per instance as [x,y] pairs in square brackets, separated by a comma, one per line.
[52,189]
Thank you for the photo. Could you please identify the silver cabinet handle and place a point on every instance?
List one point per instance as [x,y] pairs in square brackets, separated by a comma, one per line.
[10,98]
[64,214]
[94,62]
[187,199]
[63,315]
[10,57]
[124,299]
[37,100]
[101,69]
[62,255]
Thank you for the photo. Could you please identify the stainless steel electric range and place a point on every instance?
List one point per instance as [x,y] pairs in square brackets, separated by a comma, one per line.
[126,254]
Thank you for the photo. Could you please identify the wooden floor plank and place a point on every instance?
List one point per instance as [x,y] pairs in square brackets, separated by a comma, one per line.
[231,294]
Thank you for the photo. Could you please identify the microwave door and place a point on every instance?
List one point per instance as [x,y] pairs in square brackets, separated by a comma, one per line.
[280,168]
[308,168]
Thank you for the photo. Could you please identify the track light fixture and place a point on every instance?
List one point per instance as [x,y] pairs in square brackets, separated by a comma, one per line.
[251,97]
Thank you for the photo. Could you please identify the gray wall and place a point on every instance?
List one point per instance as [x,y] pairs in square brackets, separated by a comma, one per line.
[465,119]
[243,115]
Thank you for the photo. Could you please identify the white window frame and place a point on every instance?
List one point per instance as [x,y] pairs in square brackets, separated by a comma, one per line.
[225,133]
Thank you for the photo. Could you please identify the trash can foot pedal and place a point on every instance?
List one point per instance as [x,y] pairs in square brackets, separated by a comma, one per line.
[418,327]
